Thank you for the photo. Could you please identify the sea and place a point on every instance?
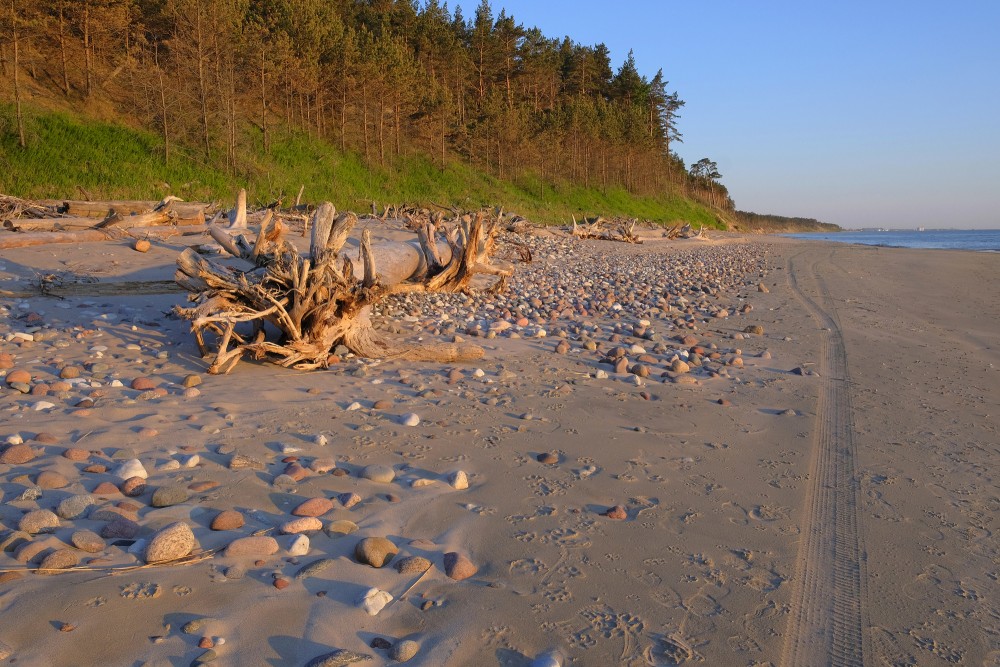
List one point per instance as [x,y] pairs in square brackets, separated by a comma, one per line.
[984,240]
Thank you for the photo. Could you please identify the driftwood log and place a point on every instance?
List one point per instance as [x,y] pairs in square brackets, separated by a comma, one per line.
[323,299]
[622,230]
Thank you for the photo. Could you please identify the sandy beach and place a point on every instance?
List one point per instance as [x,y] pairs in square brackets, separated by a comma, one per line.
[794,466]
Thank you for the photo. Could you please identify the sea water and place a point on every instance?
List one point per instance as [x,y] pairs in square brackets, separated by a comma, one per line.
[987,240]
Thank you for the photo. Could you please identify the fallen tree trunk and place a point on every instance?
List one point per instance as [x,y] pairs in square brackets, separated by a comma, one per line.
[324,299]
[180,210]
[29,239]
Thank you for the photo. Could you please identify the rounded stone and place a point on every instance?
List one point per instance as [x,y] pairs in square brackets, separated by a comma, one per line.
[375,551]
[60,559]
[754,329]
[376,472]
[76,454]
[227,520]
[170,543]
[87,540]
[19,376]
[120,528]
[459,480]
[75,507]
[254,545]
[131,468]
[106,489]
[341,527]
[412,565]
[404,650]
[17,455]
[143,384]
[679,366]
[191,381]
[70,372]
[458,566]
[50,479]
[305,524]
[134,486]
[38,521]
[313,507]
[167,496]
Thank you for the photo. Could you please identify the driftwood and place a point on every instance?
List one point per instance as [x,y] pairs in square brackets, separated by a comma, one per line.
[685,231]
[35,238]
[179,211]
[622,230]
[324,299]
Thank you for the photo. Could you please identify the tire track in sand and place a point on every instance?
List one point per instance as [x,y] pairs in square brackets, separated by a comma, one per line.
[825,626]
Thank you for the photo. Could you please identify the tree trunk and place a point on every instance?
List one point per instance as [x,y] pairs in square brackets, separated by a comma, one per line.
[86,48]
[263,97]
[202,86]
[21,141]
[62,48]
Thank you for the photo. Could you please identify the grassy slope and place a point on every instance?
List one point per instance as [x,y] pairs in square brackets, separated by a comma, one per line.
[114,161]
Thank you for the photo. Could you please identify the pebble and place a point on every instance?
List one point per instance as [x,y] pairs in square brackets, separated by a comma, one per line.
[60,559]
[50,479]
[227,520]
[313,507]
[120,528]
[306,524]
[348,499]
[241,461]
[134,486]
[458,567]
[87,540]
[19,376]
[170,543]
[339,658]
[38,521]
[378,473]
[459,480]
[17,455]
[323,466]
[75,454]
[315,568]
[299,545]
[341,527]
[375,551]
[374,601]
[410,419]
[168,496]
[412,565]
[143,384]
[131,468]
[404,650]
[254,545]
[106,489]
[74,507]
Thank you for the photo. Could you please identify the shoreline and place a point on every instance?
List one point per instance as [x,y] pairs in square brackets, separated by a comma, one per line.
[670,520]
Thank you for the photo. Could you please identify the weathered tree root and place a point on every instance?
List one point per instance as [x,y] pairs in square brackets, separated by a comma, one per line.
[323,300]
[600,229]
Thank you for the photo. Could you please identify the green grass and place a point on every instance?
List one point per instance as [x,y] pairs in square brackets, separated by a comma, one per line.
[112,161]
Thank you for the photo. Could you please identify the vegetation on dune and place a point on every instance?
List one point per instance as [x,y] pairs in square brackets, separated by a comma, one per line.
[386,100]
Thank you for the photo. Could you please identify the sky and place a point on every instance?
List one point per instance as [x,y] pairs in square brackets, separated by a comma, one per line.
[882,113]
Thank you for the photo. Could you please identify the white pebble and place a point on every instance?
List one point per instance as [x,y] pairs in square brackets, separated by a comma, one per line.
[320,440]
[374,601]
[15,439]
[411,419]
[131,468]
[299,546]
[353,406]
[43,405]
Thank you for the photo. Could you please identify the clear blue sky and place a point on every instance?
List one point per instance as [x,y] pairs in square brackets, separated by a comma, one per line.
[878,113]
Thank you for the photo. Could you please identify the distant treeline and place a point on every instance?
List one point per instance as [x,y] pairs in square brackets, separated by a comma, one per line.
[216,78]
[751,222]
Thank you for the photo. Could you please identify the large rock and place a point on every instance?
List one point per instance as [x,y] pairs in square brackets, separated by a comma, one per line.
[75,507]
[173,542]
[378,473]
[339,658]
[167,496]
[60,559]
[227,520]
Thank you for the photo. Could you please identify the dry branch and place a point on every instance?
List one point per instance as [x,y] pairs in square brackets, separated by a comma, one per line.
[620,229]
[324,299]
